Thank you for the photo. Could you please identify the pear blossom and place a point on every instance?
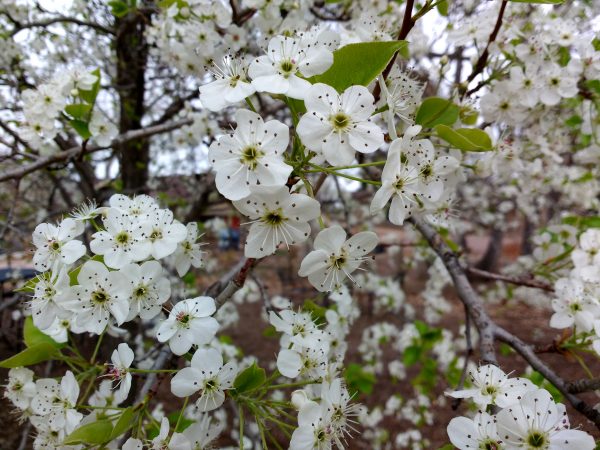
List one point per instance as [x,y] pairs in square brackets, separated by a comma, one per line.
[286,61]
[102,129]
[56,244]
[189,323]
[148,289]
[335,258]
[56,402]
[188,251]
[314,431]
[163,233]
[491,386]
[118,371]
[20,388]
[207,375]
[176,442]
[123,241]
[277,217]
[203,432]
[49,291]
[231,84]
[535,421]
[138,207]
[575,305]
[479,432]
[339,125]
[252,155]
[99,296]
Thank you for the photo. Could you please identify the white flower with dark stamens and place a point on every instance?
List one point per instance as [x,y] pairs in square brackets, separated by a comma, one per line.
[278,217]
[48,293]
[403,178]
[536,422]
[336,399]
[286,60]
[299,329]
[575,305]
[308,363]
[252,155]
[56,244]
[118,371]
[478,433]
[202,433]
[163,442]
[21,387]
[138,207]
[163,233]
[339,125]
[208,376]
[401,95]
[57,402]
[99,295]
[86,211]
[335,258]
[189,323]
[315,430]
[188,251]
[122,242]
[231,85]
[491,386]
[148,289]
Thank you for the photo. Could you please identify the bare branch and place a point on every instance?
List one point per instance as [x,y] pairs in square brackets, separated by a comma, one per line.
[61,19]
[465,291]
[529,282]
[74,152]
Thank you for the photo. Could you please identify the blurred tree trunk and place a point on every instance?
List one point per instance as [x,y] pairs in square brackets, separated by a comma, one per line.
[132,55]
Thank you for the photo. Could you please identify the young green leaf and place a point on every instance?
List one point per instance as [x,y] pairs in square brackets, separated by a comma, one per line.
[33,336]
[359,64]
[250,378]
[436,111]
[30,356]
[93,433]
[466,139]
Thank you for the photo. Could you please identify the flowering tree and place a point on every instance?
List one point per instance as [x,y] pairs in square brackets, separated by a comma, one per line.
[326,124]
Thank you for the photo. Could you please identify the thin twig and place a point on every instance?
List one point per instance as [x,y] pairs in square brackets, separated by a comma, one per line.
[529,282]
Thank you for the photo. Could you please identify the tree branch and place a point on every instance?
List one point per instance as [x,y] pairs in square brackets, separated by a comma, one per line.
[74,152]
[529,282]
[61,19]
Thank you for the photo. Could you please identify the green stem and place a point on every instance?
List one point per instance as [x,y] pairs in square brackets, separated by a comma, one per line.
[93,359]
[343,175]
[185,402]
[250,105]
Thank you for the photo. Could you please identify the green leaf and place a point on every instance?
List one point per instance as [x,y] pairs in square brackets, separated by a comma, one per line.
[93,433]
[411,355]
[118,8]
[182,423]
[442,7]
[467,139]
[317,312]
[250,378]
[124,423]
[90,95]
[436,111]
[79,111]
[582,222]
[564,56]
[32,355]
[596,44]
[574,121]
[33,336]
[81,128]
[359,64]
[358,379]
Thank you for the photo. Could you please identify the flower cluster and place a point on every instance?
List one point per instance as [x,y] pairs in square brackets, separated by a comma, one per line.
[529,417]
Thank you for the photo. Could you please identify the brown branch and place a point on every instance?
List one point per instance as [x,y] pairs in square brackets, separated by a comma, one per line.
[465,291]
[483,58]
[529,282]
[585,385]
[74,152]
[489,331]
[60,19]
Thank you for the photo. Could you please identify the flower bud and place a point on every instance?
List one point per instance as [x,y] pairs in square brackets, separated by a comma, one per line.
[299,399]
